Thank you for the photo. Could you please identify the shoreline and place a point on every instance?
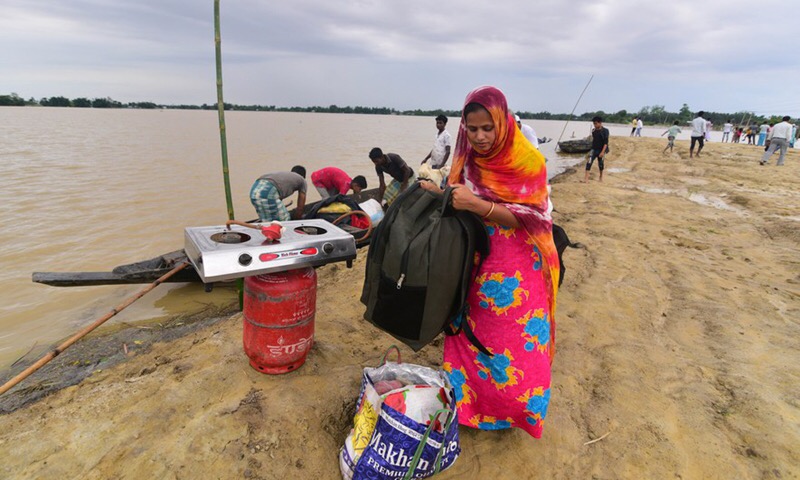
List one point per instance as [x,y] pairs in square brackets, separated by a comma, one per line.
[102,349]
[676,352]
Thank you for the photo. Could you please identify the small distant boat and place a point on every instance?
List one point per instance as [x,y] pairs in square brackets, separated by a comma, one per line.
[580,145]
[148,271]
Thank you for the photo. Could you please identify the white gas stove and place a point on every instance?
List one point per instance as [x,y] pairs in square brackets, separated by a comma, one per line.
[224,253]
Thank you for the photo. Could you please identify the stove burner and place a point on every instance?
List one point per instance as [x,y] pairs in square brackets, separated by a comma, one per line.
[230,237]
[310,230]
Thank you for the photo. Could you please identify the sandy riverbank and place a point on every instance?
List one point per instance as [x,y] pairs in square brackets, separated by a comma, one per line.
[678,328]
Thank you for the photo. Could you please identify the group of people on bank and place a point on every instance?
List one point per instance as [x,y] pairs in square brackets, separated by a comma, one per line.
[758,135]
[773,137]
[269,191]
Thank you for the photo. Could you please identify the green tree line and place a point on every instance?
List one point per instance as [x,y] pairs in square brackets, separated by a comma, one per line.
[650,115]
[14,100]
[658,115]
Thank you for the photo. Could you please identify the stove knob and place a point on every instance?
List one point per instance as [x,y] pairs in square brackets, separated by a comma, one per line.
[245,259]
[327,248]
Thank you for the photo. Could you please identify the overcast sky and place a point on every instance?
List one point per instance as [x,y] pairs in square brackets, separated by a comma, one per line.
[716,55]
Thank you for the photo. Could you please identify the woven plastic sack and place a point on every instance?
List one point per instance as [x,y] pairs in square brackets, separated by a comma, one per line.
[405,424]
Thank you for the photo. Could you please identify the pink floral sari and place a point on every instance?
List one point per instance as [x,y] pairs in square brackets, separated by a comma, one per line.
[512,299]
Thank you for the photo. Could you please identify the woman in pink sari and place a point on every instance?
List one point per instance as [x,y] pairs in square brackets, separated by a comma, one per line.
[512,300]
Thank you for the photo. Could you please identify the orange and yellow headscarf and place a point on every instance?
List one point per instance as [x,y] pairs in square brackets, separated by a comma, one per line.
[511,173]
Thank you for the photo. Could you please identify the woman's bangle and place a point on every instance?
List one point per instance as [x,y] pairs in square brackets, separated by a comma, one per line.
[490,211]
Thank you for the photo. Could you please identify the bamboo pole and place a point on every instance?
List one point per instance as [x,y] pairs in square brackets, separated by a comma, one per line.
[223,141]
[573,110]
[57,351]
[741,122]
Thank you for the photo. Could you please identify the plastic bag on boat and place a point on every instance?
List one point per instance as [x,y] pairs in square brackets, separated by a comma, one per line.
[374,209]
[405,425]
[335,207]
[435,175]
[338,204]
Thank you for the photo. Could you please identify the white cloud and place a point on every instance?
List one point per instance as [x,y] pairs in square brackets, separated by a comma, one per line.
[405,54]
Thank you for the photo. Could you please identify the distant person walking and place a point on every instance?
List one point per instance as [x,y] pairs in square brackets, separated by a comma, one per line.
[708,130]
[440,152]
[698,133]
[769,132]
[634,123]
[672,132]
[751,135]
[779,138]
[599,147]
[639,126]
[762,134]
[726,131]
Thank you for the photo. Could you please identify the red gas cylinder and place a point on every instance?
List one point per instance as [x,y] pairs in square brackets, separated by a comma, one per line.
[279,319]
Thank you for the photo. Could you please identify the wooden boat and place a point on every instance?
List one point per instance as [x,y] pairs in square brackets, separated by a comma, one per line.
[580,145]
[147,271]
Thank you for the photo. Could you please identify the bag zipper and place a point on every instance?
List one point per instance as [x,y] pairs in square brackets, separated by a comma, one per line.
[404,260]
[404,266]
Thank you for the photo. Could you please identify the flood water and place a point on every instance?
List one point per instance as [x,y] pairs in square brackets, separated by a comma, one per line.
[89,189]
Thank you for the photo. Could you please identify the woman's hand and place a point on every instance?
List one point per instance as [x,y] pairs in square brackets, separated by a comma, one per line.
[430,186]
[464,199]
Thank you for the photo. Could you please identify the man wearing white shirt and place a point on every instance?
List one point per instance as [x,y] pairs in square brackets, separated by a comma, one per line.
[440,152]
[726,131]
[528,132]
[698,133]
[639,127]
[778,138]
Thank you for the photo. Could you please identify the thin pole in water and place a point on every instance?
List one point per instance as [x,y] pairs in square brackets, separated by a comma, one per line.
[221,109]
[573,109]
[57,351]
[223,141]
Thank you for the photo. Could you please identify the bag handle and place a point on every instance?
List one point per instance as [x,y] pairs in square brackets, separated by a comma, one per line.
[388,351]
[447,202]
[412,467]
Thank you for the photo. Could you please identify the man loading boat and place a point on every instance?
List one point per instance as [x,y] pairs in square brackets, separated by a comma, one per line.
[331,181]
[269,191]
[396,167]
